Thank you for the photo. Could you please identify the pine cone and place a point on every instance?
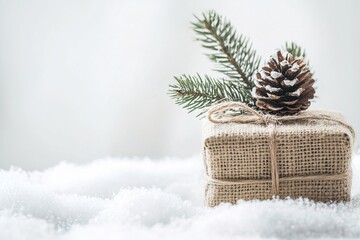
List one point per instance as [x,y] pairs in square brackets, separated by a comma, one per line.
[284,86]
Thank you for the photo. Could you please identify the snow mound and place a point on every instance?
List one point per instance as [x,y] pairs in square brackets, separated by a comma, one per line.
[155,199]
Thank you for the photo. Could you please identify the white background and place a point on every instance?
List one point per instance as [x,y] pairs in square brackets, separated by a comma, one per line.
[81,80]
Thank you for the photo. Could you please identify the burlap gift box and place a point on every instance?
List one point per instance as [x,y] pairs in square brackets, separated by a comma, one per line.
[313,159]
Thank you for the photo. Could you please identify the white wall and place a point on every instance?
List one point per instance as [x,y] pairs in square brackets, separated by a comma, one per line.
[81,80]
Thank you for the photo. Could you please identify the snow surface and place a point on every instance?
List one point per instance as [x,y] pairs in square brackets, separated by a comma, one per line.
[155,199]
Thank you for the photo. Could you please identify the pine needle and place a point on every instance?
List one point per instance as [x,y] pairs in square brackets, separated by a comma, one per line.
[232,53]
[196,92]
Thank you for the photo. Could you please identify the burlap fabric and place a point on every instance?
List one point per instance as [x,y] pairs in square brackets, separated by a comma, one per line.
[313,160]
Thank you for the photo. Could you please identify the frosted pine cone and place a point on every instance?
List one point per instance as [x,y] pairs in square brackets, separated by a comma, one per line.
[284,86]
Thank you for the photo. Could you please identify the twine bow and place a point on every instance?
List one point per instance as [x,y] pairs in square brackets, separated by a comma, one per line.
[223,113]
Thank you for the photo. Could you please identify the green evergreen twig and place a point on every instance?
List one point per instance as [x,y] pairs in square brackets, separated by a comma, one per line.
[195,92]
[233,53]
[295,50]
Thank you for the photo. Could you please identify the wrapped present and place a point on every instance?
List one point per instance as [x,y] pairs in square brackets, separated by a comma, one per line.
[249,155]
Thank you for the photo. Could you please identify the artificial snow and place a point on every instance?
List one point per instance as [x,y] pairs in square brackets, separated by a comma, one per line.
[272,89]
[284,63]
[296,93]
[290,82]
[295,67]
[155,199]
[275,74]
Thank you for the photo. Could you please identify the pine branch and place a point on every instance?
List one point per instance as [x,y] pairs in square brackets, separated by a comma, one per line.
[233,53]
[295,50]
[195,92]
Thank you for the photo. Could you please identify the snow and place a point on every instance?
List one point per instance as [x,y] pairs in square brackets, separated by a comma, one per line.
[290,82]
[284,62]
[272,89]
[295,67]
[275,74]
[155,199]
[296,93]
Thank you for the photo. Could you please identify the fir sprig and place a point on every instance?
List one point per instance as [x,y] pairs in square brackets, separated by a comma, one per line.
[233,53]
[196,92]
[234,57]
[295,50]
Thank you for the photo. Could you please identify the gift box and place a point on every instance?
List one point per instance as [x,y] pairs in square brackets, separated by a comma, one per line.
[251,156]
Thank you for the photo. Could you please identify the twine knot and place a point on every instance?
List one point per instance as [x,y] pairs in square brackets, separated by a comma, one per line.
[268,119]
[224,113]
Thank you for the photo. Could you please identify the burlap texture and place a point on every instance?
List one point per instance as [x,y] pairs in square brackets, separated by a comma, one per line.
[235,151]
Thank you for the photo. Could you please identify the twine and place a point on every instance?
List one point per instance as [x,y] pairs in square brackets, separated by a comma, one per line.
[220,114]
